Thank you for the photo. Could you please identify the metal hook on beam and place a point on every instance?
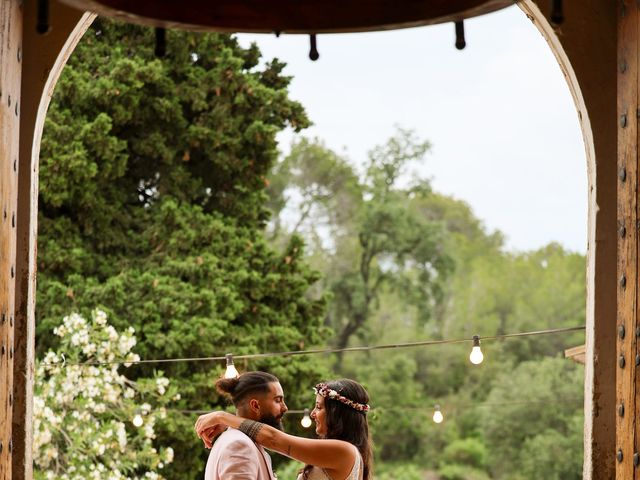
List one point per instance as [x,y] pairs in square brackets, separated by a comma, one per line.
[557,14]
[161,42]
[460,41]
[42,22]
[313,51]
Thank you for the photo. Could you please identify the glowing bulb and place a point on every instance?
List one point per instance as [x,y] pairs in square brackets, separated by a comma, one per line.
[231,369]
[437,415]
[138,420]
[306,419]
[476,356]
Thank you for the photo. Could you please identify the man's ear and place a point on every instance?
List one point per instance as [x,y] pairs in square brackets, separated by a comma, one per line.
[254,405]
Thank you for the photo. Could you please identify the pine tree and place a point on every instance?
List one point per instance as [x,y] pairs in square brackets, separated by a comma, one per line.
[152,180]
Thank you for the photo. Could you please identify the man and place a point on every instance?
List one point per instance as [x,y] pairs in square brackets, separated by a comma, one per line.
[257,396]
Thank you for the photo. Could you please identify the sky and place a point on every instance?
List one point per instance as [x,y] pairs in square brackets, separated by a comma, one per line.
[503,127]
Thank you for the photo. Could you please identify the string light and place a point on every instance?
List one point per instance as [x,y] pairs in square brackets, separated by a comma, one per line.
[306,419]
[437,415]
[476,355]
[137,420]
[365,348]
[231,371]
[450,407]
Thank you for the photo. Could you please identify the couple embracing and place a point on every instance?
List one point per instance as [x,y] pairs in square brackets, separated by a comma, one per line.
[343,451]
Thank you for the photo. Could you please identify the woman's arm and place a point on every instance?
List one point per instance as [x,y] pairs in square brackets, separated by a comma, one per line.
[335,456]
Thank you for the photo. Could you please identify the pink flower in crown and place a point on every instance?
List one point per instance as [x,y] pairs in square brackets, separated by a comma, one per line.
[324,390]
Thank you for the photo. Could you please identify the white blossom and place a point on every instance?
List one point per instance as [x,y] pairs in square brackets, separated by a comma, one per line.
[162,384]
[80,411]
[168,454]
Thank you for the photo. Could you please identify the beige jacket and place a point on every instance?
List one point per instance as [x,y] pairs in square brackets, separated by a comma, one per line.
[235,456]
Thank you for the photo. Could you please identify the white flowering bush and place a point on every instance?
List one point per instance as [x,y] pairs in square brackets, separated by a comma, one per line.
[90,421]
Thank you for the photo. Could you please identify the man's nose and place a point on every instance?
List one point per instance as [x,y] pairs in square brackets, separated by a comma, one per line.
[284,407]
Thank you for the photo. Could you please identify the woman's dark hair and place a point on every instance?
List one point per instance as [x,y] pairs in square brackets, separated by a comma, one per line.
[249,383]
[348,424]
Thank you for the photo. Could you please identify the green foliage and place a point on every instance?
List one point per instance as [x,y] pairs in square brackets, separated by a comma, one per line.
[461,472]
[289,470]
[481,437]
[519,292]
[398,437]
[125,127]
[152,189]
[224,279]
[399,471]
[378,241]
[328,186]
[153,202]
[537,403]
[474,287]
[468,451]
[554,454]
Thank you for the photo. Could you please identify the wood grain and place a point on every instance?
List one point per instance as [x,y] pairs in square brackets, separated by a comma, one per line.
[290,16]
[10,78]
[627,237]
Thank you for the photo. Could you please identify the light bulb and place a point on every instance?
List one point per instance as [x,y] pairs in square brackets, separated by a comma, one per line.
[306,419]
[231,371]
[476,355]
[437,415]
[138,420]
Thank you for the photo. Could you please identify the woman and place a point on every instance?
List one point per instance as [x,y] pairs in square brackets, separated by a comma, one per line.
[340,413]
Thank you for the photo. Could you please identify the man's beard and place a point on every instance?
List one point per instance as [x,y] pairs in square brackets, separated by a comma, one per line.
[273,421]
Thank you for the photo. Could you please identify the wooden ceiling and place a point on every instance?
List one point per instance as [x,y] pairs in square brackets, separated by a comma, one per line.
[290,16]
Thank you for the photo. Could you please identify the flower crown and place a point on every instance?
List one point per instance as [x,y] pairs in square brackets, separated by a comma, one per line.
[325,391]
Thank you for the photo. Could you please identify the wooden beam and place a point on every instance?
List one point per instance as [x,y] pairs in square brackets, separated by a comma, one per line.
[10,76]
[577,354]
[586,49]
[44,57]
[628,50]
[290,16]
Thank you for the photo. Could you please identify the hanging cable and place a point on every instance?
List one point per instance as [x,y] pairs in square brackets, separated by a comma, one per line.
[364,348]
[449,407]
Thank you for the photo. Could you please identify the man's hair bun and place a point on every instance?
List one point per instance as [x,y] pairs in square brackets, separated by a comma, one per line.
[226,386]
[247,384]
